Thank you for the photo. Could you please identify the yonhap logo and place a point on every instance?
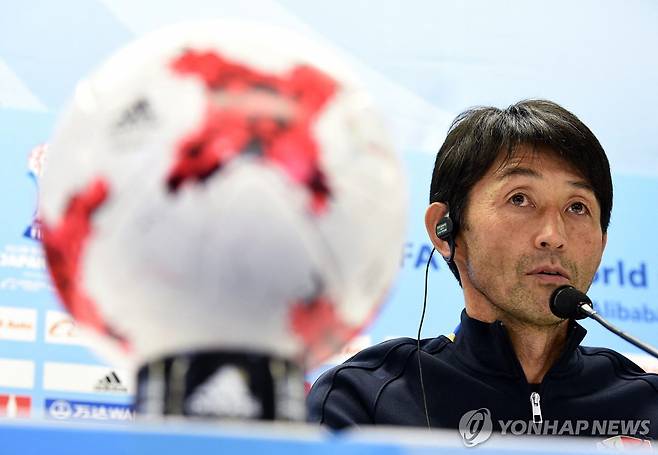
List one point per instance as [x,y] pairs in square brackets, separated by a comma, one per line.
[475,427]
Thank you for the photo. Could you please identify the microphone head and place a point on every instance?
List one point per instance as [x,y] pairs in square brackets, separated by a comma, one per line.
[565,302]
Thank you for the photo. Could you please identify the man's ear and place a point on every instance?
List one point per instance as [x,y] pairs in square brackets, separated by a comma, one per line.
[433,215]
[605,241]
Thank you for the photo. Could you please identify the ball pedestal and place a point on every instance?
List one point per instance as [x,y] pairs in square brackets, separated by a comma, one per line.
[222,385]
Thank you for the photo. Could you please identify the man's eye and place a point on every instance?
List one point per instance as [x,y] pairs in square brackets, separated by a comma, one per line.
[578,208]
[519,200]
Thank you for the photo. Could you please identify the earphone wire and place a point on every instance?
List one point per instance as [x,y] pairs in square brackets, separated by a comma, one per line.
[420,328]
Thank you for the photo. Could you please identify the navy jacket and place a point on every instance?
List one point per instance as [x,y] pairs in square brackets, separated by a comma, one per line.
[381,385]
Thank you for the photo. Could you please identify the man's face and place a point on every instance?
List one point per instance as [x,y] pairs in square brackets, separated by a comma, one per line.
[531,225]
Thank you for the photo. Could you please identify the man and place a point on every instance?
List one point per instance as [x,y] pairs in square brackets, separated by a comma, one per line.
[529,195]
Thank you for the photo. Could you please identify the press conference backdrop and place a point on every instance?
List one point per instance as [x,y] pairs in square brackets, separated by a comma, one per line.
[424,61]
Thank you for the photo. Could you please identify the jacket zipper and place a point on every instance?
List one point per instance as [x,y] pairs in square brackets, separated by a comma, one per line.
[536,408]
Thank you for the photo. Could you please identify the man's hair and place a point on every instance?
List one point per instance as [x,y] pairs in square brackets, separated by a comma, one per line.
[478,136]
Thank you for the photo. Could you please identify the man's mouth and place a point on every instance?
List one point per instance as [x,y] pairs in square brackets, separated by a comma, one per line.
[550,274]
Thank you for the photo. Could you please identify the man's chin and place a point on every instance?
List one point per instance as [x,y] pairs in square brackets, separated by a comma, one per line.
[550,320]
[542,317]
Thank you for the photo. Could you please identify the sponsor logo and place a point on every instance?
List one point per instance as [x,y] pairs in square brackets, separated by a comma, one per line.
[22,257]
[133,124]
[15,406]
[73,377]
[88,410]
[226,394]
[18,324]
[416,256]
[475,427]
[59,409]
[611,309]
[61,329]
[110,383]
[27,265]
[17,373]
[25,285]
[622,275]
[138,114]
[35,164]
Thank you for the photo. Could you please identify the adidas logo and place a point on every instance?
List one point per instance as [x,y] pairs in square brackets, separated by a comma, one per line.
[110,383]
[137,113]
[225,394]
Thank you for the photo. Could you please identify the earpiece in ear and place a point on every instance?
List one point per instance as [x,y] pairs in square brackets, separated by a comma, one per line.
[444,228]
[444,231]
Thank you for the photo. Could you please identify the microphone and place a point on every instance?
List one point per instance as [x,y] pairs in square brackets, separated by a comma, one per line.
[568,302]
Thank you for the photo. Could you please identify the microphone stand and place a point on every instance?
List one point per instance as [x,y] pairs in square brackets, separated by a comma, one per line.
[587,309]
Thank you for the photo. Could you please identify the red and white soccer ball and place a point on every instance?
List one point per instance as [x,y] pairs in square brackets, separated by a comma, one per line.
[222,186]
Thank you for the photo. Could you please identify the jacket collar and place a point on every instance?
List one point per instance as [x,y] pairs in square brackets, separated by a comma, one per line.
[486,347]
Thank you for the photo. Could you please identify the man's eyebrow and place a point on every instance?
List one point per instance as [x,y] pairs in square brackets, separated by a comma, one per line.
[582,185]
[512,171]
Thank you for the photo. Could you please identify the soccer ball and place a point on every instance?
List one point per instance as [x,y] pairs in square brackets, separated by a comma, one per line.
[222,186]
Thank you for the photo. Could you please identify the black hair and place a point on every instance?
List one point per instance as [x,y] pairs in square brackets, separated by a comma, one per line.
[478,136]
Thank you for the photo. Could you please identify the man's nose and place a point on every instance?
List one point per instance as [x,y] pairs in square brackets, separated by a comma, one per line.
[552,231]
